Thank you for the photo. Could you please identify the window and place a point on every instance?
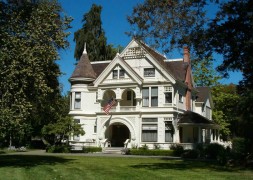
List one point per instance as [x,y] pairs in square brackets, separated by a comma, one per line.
[150,95]
[180,98]
[149,130]
[121,73]
[76,138]
[208,112]
[168,94]
[149,72]
[145,97]
[77,104]
[77,121]
[115,74]
[95,129]
[154,96]
[169,131]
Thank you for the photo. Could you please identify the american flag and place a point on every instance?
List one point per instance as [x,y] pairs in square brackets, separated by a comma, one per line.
[109,105]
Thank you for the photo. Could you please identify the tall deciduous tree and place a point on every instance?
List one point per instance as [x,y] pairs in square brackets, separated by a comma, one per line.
[93,34]
[31,32]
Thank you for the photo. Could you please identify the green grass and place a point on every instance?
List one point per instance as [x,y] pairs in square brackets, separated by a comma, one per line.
[25,167]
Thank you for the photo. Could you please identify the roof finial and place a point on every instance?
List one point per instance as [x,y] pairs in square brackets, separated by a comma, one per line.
[84,49]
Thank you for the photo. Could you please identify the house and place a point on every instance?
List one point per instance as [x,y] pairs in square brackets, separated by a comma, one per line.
[154,101]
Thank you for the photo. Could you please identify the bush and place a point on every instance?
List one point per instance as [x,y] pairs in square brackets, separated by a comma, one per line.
[178,150]
[91,149]
[153,152]
[144,147]
[239,148]
[58,149]
[191,154]
[212,151]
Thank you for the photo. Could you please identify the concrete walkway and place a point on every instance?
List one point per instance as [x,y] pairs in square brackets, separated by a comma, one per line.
[99,154]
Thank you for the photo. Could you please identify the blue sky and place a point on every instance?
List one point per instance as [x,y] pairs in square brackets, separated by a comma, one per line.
[115,24]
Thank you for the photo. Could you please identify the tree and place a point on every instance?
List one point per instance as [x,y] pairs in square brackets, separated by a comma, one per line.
[64,126]
[226,113]
[31,32]
[93,34]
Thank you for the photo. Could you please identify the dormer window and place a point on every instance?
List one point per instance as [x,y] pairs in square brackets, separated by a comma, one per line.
[149,72]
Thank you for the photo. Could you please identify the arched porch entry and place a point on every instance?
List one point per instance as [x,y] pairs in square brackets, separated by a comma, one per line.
[117,130]
[117,133]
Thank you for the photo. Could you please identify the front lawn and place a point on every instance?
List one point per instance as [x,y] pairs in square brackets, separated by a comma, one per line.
[86,167]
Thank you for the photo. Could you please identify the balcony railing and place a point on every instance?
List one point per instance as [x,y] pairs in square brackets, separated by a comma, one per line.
[122,109]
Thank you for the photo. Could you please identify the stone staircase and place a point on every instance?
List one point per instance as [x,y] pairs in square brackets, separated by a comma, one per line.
[112,150]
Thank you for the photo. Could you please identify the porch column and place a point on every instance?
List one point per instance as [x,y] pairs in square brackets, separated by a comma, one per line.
[218,135]
[199,135]
[211,135]
[118,105]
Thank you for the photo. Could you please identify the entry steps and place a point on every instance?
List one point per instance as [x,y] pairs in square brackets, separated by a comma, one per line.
[112,150]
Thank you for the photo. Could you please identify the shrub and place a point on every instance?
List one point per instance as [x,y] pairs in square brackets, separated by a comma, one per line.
[213,150]
[178,150]
[153,152]
[91,149]
[144,147]
[58,149]
[239,148]
[190,154]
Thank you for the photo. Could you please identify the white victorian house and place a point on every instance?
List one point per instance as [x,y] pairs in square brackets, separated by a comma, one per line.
[156,101]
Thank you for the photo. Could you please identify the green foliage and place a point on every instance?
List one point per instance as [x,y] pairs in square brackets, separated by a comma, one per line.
[30,35]
[178,150]
[239,147]
[213,150]
[90,149]
[225,111]
[151,152]
[144,147]
[93,34]
[58,149]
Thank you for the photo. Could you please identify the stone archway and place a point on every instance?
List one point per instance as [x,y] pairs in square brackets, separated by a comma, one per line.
[117,133]
[111,125]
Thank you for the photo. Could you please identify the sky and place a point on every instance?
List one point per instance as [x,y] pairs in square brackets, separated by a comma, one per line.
[114,22]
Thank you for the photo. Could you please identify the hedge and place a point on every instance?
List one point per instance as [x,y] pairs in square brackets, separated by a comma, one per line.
[153,152]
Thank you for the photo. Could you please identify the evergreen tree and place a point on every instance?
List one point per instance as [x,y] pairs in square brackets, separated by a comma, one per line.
[93,34]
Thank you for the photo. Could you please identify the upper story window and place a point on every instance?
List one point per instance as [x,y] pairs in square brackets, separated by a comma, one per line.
[149,72]
[180,98]
[77,103]
[121,73]
[208,112]
[115,74]
[118,73]
[150,96]
[168,94]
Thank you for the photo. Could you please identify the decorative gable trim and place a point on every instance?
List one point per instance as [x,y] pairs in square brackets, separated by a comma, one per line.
[118,61]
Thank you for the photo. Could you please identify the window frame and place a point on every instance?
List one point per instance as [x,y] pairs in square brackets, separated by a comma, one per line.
[77,100]
[149,127]
[149,72]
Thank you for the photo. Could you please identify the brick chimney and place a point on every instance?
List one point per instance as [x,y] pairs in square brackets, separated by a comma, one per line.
[188,78]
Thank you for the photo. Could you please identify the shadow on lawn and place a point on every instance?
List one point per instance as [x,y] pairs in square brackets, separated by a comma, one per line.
[28,161]
[184,165]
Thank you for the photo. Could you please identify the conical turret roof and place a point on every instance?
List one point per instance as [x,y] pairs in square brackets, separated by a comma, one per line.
[83,70]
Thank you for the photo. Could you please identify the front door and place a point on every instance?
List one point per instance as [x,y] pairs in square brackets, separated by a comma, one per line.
[120,133]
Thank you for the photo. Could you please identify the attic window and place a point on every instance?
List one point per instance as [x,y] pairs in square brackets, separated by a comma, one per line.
[115,74]
[149,72]
[121,73]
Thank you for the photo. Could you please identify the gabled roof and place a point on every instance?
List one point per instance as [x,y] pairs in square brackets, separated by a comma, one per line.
[83,70]
[107,69]
[189,117]
[203,94]
[174,68]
